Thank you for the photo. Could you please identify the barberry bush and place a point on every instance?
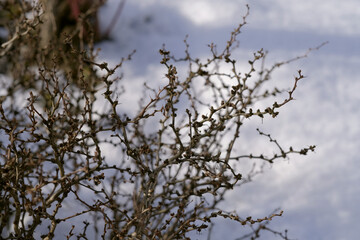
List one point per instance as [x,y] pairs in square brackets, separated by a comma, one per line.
[74,165]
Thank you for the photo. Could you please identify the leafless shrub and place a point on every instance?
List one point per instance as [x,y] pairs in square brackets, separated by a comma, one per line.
[163,181]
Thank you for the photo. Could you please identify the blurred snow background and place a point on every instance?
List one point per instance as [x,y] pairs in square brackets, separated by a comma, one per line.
[319,193]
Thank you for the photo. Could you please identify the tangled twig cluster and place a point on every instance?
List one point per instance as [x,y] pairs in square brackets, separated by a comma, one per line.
[165,181]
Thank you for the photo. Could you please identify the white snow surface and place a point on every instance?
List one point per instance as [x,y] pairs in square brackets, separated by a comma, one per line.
[320,192]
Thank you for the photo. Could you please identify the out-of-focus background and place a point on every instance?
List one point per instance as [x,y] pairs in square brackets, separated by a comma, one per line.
[319,193]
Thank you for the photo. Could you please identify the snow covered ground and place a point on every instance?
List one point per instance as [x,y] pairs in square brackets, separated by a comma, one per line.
[319,193]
